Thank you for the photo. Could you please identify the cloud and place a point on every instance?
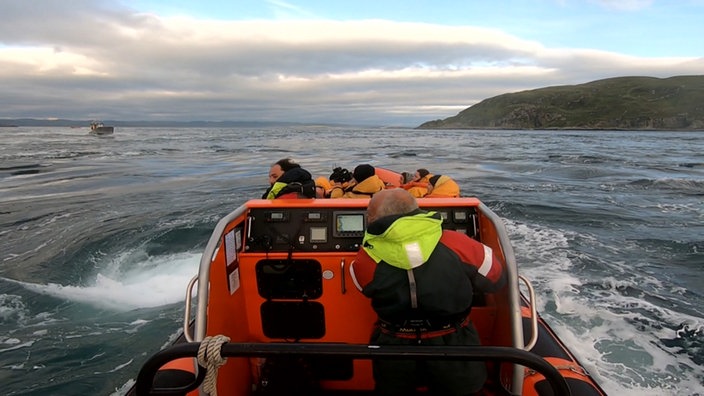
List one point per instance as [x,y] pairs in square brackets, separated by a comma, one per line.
[100,61]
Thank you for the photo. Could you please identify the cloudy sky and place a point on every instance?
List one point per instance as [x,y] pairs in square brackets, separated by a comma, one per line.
[370,62]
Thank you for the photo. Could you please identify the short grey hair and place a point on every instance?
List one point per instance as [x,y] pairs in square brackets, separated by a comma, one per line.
[392,202]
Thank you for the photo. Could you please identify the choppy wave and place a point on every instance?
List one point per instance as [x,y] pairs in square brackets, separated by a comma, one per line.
[679,185]
[12,309]
[612,322]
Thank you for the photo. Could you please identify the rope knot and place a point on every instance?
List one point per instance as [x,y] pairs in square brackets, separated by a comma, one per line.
[209,357]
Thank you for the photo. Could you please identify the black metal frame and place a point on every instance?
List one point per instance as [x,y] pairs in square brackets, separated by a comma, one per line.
[145,378]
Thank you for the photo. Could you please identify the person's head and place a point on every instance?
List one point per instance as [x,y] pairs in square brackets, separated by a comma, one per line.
[280,167]
[340,175]
[389,202]
[432,181]
[420,173]
[322,185]
[363,172]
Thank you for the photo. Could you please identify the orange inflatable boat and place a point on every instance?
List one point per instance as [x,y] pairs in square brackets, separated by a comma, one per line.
[276,311]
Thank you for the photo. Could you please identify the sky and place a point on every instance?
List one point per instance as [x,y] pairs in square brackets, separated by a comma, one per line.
[363,62]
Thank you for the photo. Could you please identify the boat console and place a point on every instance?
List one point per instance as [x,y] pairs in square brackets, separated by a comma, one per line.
[330,229]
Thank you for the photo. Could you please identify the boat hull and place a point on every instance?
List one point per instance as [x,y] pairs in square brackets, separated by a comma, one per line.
[105,130]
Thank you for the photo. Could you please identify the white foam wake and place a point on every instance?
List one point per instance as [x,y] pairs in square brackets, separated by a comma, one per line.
[163,282]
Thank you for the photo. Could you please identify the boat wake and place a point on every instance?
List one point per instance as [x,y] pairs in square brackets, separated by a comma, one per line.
[610,321]
[156,282]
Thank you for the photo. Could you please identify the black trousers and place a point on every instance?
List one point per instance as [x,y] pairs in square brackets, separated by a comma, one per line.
[442,377]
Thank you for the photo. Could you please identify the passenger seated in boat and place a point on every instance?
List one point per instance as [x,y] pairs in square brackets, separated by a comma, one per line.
[288,180]
[441,186]
[324,186]
[420,280]
[418,186]
[365,183]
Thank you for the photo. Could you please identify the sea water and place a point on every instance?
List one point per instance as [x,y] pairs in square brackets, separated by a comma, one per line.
[99,237]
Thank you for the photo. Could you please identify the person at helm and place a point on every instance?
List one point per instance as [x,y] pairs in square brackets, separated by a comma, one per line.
[421,281]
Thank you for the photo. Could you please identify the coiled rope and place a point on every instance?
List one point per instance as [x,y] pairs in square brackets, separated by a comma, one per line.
[210,358]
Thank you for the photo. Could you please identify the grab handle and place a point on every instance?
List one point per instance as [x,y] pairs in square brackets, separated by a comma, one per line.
[187,315]
[342,276]
[533,315]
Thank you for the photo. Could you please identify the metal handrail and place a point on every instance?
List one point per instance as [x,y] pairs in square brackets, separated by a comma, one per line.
[187,314]
[533,314]
[204,271]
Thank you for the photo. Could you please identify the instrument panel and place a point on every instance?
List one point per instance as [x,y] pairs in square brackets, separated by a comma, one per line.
[330,229]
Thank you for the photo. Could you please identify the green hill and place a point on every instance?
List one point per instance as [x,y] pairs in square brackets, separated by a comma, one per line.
[641,103]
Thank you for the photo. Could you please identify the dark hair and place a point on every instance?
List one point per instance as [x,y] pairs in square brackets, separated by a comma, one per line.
[340,175]
[363,172]
[434,179]
[422,172]
[287,164]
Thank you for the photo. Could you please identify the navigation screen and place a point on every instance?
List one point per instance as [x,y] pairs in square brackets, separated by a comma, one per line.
[318,234]
[350,222]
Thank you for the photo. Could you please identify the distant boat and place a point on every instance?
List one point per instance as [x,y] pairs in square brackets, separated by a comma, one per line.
[98,128]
